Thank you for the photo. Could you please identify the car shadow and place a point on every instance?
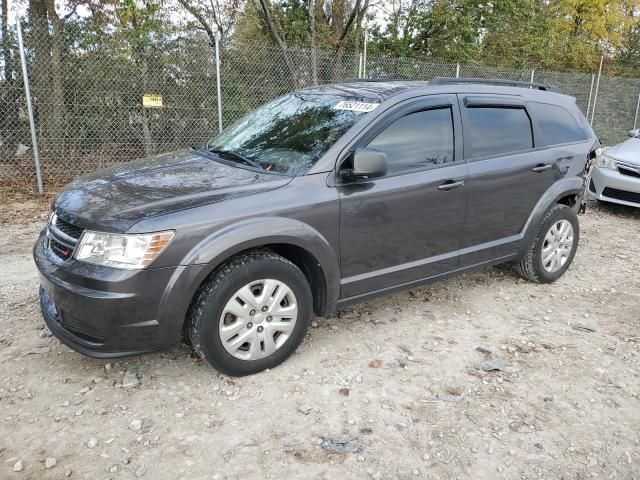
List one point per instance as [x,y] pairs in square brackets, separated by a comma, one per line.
[614,209]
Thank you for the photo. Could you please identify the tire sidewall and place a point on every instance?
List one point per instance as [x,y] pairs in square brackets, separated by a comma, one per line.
[210,344]
[563,213]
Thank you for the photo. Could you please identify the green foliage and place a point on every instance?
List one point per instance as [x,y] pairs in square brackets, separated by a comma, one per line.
[561,34]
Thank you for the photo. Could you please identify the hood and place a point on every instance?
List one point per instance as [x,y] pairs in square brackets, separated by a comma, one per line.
[115,199]
[628,151]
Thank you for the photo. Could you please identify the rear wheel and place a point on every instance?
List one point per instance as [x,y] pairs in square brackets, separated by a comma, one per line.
[251,314]
[553,248]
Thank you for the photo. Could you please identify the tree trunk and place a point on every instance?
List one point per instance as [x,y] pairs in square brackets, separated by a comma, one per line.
[358,31]
[56,99]
[10,134]
[340,39]
[39,72]
[147,139]
[337,20]
[6,51]
[311,8]
[275,32]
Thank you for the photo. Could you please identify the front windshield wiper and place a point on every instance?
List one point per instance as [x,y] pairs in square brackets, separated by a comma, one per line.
[235,156]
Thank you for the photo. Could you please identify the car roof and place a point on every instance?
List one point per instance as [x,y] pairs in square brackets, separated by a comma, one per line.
[381,89]
[366,89]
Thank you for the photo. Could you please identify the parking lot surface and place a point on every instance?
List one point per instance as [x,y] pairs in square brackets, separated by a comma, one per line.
[480,376]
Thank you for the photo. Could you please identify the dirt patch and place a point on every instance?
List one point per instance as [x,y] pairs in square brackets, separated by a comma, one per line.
[481,376]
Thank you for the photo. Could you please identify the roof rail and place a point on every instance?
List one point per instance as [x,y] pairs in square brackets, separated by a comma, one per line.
[494,81]
[376,80]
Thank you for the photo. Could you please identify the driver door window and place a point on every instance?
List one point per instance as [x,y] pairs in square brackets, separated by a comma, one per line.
[417,140]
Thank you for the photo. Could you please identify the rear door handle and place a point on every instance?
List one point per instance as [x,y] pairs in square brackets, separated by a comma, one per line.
[542,167]
[451,184]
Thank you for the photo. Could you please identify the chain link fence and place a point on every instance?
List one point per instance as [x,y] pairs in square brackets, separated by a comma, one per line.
[88,94]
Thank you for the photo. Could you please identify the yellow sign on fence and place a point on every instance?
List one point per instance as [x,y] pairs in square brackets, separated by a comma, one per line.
[152,101]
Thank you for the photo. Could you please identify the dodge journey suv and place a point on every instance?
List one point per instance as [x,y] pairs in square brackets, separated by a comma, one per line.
[326,196]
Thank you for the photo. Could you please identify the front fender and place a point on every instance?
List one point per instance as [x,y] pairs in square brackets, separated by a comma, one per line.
[560,189]
[258,232]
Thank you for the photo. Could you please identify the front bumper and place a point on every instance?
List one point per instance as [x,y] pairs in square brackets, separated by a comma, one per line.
[612,186]
[106,312]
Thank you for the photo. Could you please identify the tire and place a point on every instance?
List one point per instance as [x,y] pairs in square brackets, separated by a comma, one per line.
[250,277]
[532,266]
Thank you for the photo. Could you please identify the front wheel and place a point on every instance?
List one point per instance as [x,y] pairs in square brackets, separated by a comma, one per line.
[251,314]
[554,247]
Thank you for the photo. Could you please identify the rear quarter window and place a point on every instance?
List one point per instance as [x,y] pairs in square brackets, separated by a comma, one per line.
[556,123]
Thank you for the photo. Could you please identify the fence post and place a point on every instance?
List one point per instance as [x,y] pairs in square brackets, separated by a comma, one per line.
[218,82]
[457,70]
[533,71]
[635,119]
[364,50]
[360,67]
[27,94]
[595,95]
[593,78]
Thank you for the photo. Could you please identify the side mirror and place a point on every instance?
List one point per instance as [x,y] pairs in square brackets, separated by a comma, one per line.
[634,133]
[366,163]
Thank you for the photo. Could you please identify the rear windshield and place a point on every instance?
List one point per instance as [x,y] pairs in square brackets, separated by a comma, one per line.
[291,133]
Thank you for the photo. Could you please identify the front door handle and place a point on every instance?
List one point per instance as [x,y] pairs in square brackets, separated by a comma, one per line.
[543,167]
[451,184]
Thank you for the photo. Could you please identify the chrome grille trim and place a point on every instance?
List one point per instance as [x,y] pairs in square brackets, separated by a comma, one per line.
[61,237]
[628,165]
[59,241]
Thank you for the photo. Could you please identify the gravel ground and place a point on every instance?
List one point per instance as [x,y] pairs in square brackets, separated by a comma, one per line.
[394,388]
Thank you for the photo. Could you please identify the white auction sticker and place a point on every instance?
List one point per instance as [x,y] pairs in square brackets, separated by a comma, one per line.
[356,106]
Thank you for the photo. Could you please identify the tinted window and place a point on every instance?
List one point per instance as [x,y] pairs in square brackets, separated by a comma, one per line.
[557,125]
[417,140]
[498,130]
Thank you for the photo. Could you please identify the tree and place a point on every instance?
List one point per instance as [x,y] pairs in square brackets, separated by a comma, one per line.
[9,125]
[214,16]
[584,30]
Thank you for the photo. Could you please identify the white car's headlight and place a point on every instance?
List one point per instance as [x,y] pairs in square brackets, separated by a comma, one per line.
[130,251]
[605,162]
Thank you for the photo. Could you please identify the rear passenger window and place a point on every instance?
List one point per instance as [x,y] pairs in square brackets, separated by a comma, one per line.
[498,130]
[557,124]
[417,140]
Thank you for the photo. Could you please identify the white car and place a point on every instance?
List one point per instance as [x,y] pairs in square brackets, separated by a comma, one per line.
[616,175]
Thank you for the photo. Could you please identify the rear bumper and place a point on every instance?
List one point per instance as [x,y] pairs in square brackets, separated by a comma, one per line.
[105,312]
[611,186]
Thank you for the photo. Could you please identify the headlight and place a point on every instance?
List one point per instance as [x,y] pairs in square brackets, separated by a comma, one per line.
[130,251]
[605,162]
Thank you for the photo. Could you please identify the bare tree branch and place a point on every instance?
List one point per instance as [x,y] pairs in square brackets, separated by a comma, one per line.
[197,14]
[266,9]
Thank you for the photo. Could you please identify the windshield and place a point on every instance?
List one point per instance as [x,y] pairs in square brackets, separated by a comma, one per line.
[289,134]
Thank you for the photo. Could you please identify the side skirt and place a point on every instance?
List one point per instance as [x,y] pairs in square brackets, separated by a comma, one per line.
[342,303]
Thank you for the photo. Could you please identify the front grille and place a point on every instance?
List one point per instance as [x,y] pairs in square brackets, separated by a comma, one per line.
[61,251]
[628,168]
[62,237]
[631,173]
[69,229]
[623,195]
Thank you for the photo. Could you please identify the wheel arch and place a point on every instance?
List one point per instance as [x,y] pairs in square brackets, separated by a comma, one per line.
[566,191]
[296,241]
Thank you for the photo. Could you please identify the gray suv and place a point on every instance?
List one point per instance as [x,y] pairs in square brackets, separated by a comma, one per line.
[324,197]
